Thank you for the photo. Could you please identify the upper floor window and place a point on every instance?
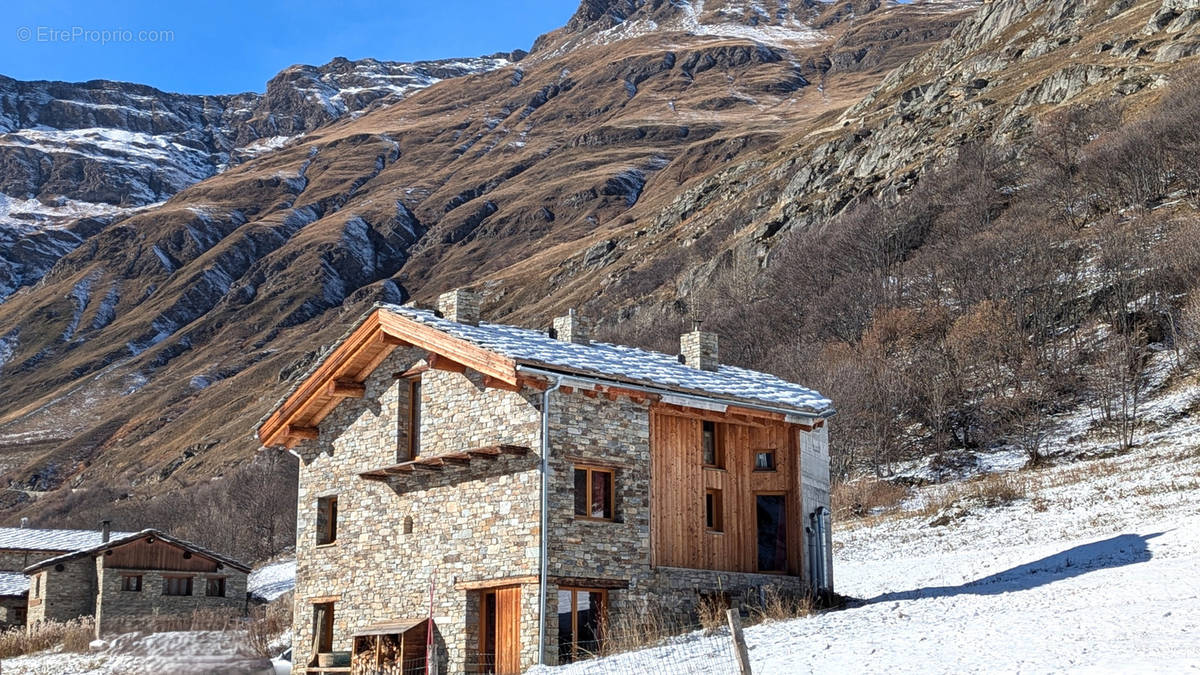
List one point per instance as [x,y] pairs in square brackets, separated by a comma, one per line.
[713,450]
[177,585]
[410,420]
[764,460]
[593,493]
[131,582]
[327,508]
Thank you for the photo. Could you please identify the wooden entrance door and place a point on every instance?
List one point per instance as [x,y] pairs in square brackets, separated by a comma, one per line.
[500,630]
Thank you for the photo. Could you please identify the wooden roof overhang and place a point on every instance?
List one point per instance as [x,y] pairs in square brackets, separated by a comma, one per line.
[439,462]
[342,373]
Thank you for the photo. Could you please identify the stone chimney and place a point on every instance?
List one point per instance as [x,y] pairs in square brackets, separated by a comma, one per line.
[24,523]
[571,328]
[105,530]
[698,348]
[459,305]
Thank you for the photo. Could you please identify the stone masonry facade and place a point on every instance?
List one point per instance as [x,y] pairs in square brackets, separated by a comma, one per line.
[63,594]
[471,524]
[119,610]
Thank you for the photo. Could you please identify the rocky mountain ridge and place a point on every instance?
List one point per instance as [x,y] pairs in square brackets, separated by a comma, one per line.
[78,156]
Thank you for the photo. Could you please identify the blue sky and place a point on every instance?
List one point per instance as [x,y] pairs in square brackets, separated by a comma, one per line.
[228,47]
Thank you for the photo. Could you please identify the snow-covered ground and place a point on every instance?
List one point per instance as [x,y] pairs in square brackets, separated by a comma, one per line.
[179,653]
[272,580]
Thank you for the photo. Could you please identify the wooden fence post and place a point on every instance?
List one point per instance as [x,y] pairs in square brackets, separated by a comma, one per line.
[739,641]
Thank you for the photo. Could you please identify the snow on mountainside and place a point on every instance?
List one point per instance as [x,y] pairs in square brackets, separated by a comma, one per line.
[101,149]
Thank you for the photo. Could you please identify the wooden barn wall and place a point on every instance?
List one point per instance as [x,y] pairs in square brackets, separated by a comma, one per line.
[678,484]
[157,556]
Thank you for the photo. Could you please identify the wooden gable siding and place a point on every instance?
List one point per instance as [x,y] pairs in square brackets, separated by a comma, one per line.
[157,556]
[679,537]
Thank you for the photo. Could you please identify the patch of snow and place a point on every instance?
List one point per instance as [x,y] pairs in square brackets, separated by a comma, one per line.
[178,653]
[272,580]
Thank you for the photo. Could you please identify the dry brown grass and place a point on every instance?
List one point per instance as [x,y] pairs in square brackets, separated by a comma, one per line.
[780,605]
[643,627]
[267,623]
[711,611]
[864,496]
[73,636]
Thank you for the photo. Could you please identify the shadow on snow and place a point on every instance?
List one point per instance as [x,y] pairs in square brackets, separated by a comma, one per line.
[1121,550]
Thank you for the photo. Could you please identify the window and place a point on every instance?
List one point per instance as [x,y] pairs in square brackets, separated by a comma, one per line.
[581,617]
[712,447]
[410,445]
[322,627]
[714,511]
[20,615]
[177,585]
[37,585]
[327,508]
[764,460]
[593,493]
[215,587]
[772,532]
[131,582]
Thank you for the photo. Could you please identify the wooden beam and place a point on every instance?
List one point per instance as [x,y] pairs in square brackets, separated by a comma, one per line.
[302,433]
[513,449]
[457,458]
[485,452]
[496,383]
[590,393]
[346,389]
[491,583]
[439,362]
[456,349]
[535,383]
[589,582]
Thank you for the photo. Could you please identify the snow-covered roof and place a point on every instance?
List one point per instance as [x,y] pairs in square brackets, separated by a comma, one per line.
[33,539]
[626,364]
[130,537]
[13,583]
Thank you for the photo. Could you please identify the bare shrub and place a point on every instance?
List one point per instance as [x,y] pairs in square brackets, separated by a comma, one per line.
[640,627]
[267,622]
[861,497]
[73,636]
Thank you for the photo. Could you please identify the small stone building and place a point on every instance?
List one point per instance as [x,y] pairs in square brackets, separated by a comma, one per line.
[144,580]
[530,490]
[23,546]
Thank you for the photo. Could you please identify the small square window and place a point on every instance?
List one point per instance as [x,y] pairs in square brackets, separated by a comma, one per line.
[215,587]
[714,511]
[131,582]
[594,493]
[764,460]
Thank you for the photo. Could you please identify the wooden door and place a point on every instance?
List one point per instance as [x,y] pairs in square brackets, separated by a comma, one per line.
[500,630]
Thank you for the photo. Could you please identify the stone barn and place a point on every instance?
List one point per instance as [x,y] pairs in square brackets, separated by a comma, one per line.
[144,580]
[507,495]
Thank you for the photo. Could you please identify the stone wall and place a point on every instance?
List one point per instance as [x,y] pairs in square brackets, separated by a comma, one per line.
[119,611]
[11,607]
[64,594]
[469,523]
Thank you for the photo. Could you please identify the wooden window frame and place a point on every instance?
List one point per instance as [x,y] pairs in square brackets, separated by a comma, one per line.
[787,552]
[612,492]
[328,536]
[130,580]
[774,462]
[413,416]
[221,584]
[600,625]
[188,584]
[718,446]
[715,525]
[326,627]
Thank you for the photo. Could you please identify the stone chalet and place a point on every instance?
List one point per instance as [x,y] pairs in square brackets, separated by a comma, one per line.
[135,581]
[510,494]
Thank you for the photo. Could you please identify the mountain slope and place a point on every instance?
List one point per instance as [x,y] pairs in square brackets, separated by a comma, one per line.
[619,168]
[77,156]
